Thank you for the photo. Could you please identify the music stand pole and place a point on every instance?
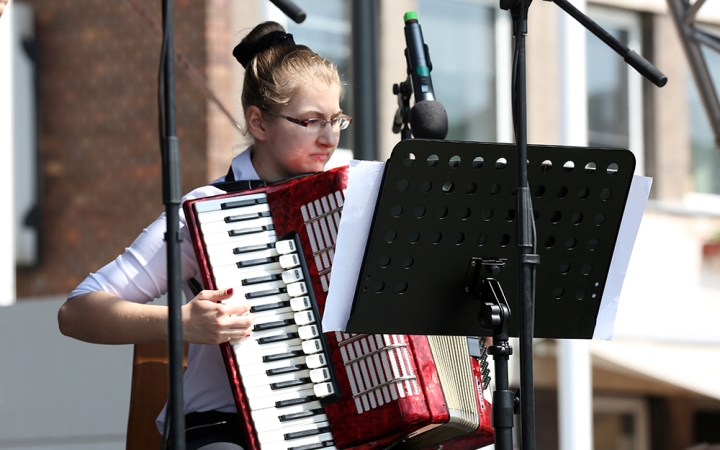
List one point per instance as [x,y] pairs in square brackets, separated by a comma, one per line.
[172,197]
[495,315]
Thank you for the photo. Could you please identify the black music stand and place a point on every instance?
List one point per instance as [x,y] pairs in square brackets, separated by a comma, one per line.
[442,241]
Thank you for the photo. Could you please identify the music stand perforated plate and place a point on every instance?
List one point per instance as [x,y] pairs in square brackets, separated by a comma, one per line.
[442,203]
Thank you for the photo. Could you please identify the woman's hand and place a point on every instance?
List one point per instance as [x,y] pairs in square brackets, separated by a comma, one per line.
[207,321]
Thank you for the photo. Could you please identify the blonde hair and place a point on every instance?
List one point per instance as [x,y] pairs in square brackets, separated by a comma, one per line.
[273,76]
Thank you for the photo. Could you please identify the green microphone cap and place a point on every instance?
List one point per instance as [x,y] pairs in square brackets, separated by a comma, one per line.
[410,15]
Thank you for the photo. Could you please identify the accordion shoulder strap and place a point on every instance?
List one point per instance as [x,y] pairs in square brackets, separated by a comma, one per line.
[232,185]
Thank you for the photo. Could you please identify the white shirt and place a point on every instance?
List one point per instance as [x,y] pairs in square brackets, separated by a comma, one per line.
[140,275]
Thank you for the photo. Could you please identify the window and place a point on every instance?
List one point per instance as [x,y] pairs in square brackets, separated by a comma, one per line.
[706,426]
[464,43]
[326,30]
[620,424]
[614,88]
[705,159]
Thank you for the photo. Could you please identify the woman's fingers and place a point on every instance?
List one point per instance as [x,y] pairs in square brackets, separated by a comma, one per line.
[207,321]
[215,295]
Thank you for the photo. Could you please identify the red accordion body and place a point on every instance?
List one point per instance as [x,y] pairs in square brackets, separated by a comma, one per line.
[389,384]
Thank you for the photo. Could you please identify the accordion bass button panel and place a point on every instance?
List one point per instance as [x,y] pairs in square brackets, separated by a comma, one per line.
[283,364]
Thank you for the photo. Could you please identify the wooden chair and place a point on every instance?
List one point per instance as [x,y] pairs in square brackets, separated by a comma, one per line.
[148,394]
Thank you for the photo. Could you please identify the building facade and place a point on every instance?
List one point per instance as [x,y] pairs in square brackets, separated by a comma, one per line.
[98,179]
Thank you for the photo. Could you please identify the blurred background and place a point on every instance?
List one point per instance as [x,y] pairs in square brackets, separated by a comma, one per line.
[81,166]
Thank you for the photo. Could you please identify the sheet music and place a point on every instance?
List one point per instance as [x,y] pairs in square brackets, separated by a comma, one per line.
[360,199]
[364,178]
[629,226]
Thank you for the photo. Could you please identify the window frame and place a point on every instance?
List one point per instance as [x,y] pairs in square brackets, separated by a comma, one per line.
[631,22]
[692,199]
[637,407]
[268,11]
[503,60]
[503,70]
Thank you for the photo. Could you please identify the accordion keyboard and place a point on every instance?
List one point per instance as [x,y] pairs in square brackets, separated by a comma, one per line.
[283,364]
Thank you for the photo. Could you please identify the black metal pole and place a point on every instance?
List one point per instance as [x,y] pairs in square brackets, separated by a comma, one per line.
[495,315]
[365,86]
[643,66]
[526,230]
[528,260]
[527,257]
[290,9]
[171,198]
[503,400]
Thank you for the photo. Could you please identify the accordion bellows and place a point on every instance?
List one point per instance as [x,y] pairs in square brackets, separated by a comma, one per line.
[409,392]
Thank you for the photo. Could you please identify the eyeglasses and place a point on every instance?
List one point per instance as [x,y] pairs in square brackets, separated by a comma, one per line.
[340,122]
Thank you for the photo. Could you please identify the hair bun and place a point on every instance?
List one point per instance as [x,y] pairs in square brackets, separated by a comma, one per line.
[244,52]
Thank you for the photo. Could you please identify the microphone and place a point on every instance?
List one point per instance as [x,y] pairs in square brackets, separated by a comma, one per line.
[428,118]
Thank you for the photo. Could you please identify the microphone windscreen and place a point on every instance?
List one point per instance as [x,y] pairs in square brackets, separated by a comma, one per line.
[428,120]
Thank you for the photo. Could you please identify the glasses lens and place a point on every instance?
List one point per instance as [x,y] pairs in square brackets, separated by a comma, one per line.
[338,123]
[315,124]
[343,122]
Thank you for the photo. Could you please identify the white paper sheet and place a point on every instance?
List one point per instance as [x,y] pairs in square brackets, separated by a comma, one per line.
[361,196]
[629,226]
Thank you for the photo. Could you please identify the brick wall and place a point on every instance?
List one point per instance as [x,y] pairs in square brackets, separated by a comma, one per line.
[224,136]
[98,132]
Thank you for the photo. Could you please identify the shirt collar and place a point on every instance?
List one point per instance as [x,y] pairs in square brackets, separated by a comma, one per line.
[242,166]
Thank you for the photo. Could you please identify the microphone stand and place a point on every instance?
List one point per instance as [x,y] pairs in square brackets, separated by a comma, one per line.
[404,91]
[171,198]
[643,66]
[528,259]
[290,9]
[526,239]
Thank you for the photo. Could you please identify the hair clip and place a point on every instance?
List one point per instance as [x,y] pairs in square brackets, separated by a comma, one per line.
[244,52]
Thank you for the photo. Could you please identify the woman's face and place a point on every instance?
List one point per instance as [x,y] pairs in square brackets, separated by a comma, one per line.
[287,148]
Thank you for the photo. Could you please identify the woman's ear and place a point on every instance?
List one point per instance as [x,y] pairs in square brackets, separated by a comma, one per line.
[255,123]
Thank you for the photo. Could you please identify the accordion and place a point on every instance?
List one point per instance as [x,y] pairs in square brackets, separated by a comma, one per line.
[298,388]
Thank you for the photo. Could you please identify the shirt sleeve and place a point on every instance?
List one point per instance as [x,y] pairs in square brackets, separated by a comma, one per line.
[140,273]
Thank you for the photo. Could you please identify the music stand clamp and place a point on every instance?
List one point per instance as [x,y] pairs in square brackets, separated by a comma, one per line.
[495,315]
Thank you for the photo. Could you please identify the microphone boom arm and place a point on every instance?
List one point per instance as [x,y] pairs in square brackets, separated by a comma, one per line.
[642,65]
